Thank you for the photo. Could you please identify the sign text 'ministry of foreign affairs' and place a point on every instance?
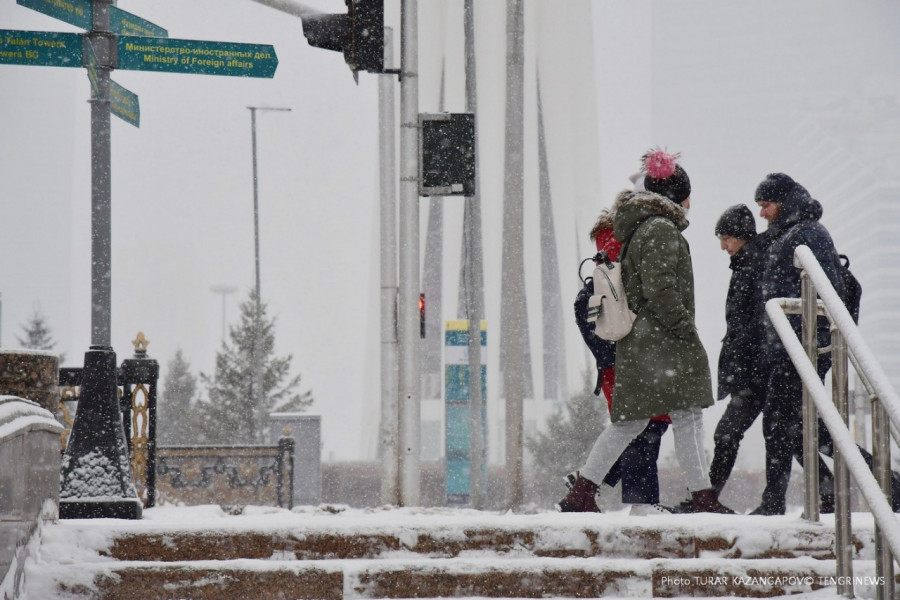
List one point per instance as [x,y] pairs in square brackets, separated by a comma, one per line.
[196,56]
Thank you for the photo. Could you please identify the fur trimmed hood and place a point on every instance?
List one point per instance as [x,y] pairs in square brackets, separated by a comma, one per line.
[633,208]
[605,220]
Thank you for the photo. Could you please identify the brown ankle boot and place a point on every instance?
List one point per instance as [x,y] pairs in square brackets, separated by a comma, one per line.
[708,501]
[580,498]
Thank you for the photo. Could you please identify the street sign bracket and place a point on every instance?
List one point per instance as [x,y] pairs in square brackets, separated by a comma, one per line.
[106,51]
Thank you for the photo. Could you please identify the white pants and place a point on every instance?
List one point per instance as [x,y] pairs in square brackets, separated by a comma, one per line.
[687,426]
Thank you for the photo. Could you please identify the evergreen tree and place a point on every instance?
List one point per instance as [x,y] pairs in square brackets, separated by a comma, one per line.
[38,335]
[231,415]
[178,420]
[569,435]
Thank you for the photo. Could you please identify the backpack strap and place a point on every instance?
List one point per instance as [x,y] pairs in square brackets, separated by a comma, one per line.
[624,251]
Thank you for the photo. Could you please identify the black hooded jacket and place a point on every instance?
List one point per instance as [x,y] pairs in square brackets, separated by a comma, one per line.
[797,224]
[739,357]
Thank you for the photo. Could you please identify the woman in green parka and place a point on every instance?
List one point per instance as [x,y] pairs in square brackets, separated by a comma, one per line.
[661,365]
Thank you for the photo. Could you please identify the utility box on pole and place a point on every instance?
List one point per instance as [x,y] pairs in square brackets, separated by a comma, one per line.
[447,154]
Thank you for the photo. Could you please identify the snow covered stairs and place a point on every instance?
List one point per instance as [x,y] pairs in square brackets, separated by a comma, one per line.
[326,552]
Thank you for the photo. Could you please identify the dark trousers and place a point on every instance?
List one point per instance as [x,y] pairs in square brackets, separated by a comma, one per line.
[783,432]
[636,467]
[739,415]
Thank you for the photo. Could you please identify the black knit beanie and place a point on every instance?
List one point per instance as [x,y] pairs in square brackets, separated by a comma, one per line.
[737,221]
[776,187]
[676,187]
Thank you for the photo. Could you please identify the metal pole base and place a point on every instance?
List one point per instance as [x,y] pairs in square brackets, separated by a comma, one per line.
[100,509]
[96,480]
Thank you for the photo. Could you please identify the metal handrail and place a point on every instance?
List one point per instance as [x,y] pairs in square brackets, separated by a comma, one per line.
[792,306]
[887,405]
[841,317]
[873,395]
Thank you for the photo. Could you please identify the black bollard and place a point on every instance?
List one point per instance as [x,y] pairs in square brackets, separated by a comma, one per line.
[96,479]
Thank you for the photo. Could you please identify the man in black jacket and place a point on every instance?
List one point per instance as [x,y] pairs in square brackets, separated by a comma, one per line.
[793,217]
[739,373]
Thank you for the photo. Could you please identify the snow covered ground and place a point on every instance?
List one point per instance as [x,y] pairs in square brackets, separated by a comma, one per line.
[75,549]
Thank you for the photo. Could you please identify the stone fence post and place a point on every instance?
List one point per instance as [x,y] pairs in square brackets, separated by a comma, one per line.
[30,374]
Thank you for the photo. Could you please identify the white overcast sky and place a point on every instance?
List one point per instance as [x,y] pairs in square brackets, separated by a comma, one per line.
[719,81]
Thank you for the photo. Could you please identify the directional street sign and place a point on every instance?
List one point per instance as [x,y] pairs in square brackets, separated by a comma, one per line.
[196,56]
[122,102]
[139,45]
[125,23]
[79,13]
[40,48]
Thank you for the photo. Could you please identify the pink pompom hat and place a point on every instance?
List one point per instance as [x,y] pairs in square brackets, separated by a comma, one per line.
[664,176]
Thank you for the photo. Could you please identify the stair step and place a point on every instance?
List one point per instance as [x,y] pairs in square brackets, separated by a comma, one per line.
[311,537]
[458,577]
[198,553]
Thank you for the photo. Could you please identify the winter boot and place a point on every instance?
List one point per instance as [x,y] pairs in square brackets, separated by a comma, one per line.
[644,510]
[708,501]
[580,497]
[682,507]
[767,510]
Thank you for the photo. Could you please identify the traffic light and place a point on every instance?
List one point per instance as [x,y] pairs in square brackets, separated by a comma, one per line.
[447,154]
[422,316]
[359,34]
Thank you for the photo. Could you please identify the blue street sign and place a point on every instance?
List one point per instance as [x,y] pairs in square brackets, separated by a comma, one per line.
[196,56]
[79,13]
[40,48]
[124,23]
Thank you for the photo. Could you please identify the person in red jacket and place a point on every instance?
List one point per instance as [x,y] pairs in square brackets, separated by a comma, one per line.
[636,467]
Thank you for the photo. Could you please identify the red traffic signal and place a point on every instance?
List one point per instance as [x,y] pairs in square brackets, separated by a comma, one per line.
[422,315]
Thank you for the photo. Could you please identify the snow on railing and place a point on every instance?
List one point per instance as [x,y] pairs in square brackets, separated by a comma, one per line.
[840,317]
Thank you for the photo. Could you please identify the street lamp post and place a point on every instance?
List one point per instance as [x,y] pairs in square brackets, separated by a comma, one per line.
[257,354]
[223,290]
[253,110]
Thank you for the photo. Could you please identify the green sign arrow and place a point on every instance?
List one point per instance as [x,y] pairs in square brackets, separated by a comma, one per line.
[125,23]
[122,102]
[196,56]
[79,13]
[90,64]
[40,48]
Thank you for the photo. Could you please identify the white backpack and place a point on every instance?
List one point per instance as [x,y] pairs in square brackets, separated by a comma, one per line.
[608,307]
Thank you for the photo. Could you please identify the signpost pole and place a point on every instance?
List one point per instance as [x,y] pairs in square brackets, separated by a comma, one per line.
[97,434]
[101,183]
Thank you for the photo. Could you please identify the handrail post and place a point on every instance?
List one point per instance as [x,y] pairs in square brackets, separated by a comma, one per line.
[843,547]
[808,317]
[881,456]
[885,407]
